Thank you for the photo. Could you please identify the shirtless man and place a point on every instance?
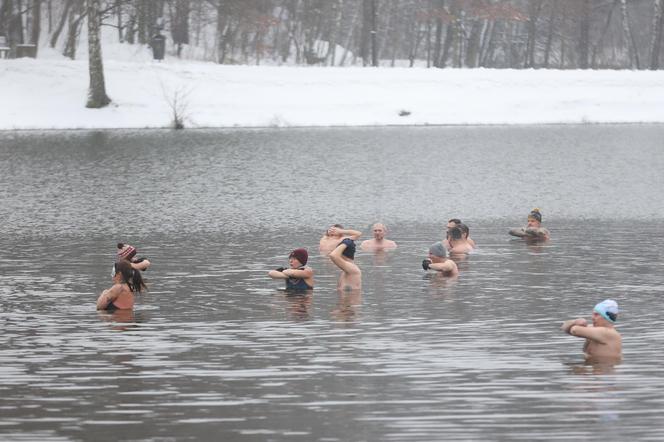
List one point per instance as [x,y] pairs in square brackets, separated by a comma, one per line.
[456,222]
[603,342]
[333,236]
[378,242]
[438,261]
[533,232]
[457,243]
[343,257]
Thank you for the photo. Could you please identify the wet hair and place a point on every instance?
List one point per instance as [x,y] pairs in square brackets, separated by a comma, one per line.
[464,229]
[130,276]
[455,233]
[456,221]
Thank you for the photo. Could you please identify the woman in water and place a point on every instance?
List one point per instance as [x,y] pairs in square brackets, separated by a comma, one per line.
[298,276]
[126,282]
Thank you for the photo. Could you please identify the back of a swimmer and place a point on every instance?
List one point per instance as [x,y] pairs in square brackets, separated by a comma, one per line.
[120,296]
[343,256]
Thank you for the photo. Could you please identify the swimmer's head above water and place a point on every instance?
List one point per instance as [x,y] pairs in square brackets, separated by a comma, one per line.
[535,216]
[437,250]
[126,251]
[607,309]
[299,255]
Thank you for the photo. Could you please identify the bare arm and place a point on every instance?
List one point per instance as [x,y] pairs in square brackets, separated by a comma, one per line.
[337,259]
[276,274]
[567,325]
[347,233]
[108,296]
[519,232]
[143,265]
[597,334]
[299,273]
[447,266]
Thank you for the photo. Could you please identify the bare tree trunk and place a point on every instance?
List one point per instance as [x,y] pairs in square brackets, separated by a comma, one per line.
[349,39]
[549,36]
[334,33]
[374,32]
[61,24]
[584,37]
[437,47]
[656,40]
[118,12]
[97,97]
[74,28]
[36,24]
[535,7]
[596,46]
[450,33]
[629,37]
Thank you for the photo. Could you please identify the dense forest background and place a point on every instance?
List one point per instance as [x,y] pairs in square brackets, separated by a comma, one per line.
[560,34]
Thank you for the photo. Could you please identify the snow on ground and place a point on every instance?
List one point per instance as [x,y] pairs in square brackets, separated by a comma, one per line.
[50,93]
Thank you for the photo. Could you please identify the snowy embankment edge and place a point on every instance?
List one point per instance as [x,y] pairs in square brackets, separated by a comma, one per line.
[51,94]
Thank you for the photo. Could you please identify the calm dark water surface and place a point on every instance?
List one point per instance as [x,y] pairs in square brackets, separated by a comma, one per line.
[216,351]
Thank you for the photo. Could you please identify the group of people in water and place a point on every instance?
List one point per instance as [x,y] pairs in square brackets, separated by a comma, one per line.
[602,339]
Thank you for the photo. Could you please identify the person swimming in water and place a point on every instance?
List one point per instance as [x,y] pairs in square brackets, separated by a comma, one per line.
[343,256]
[378,242]
[533,232]
[603,342]
[457,242]
[128,252]
[438,261]
[126,282]
[298,276]
[334,235]
[456,222]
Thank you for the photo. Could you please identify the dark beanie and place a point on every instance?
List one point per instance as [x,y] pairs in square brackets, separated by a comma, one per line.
[300,254]
[535,214]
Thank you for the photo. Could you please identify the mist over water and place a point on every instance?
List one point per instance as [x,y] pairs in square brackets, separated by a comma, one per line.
[216,350]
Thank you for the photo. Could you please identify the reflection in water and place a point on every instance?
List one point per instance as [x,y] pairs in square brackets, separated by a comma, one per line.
[348,305]
[298,304]
[122,320]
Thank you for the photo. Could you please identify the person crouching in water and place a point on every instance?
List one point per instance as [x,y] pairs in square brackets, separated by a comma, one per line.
[438,261]
[298,276]
[128,252]
[603,342]
[126,282]
[533,232]
[343,256]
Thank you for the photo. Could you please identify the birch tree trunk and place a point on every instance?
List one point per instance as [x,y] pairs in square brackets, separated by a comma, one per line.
[36,24]
[97,97]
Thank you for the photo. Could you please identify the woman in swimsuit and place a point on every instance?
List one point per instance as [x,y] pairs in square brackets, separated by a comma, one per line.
[126,282]
[298,276]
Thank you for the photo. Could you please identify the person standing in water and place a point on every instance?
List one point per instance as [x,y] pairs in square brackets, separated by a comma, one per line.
[298,276]
[456,222]
[533,232]
[458,245]
[438,261]
[378,242]
[343,256]
[126,282]
[603,342]
[334,235]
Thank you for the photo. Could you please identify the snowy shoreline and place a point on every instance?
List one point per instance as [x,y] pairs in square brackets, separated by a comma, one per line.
[49,94]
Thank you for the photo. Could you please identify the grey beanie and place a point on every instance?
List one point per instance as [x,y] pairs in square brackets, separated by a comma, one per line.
[438,249]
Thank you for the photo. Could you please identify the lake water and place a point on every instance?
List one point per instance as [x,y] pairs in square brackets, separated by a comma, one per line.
[216,351]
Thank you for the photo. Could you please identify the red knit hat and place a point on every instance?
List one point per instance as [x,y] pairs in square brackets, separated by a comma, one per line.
[301,255]
[126,251]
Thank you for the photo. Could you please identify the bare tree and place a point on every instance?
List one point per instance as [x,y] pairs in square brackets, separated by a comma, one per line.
[97,91]
[656,38]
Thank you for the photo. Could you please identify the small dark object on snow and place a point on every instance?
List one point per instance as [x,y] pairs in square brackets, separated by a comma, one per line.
[404,113]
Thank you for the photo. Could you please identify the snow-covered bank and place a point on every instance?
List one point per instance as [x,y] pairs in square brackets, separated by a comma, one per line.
[51,94]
